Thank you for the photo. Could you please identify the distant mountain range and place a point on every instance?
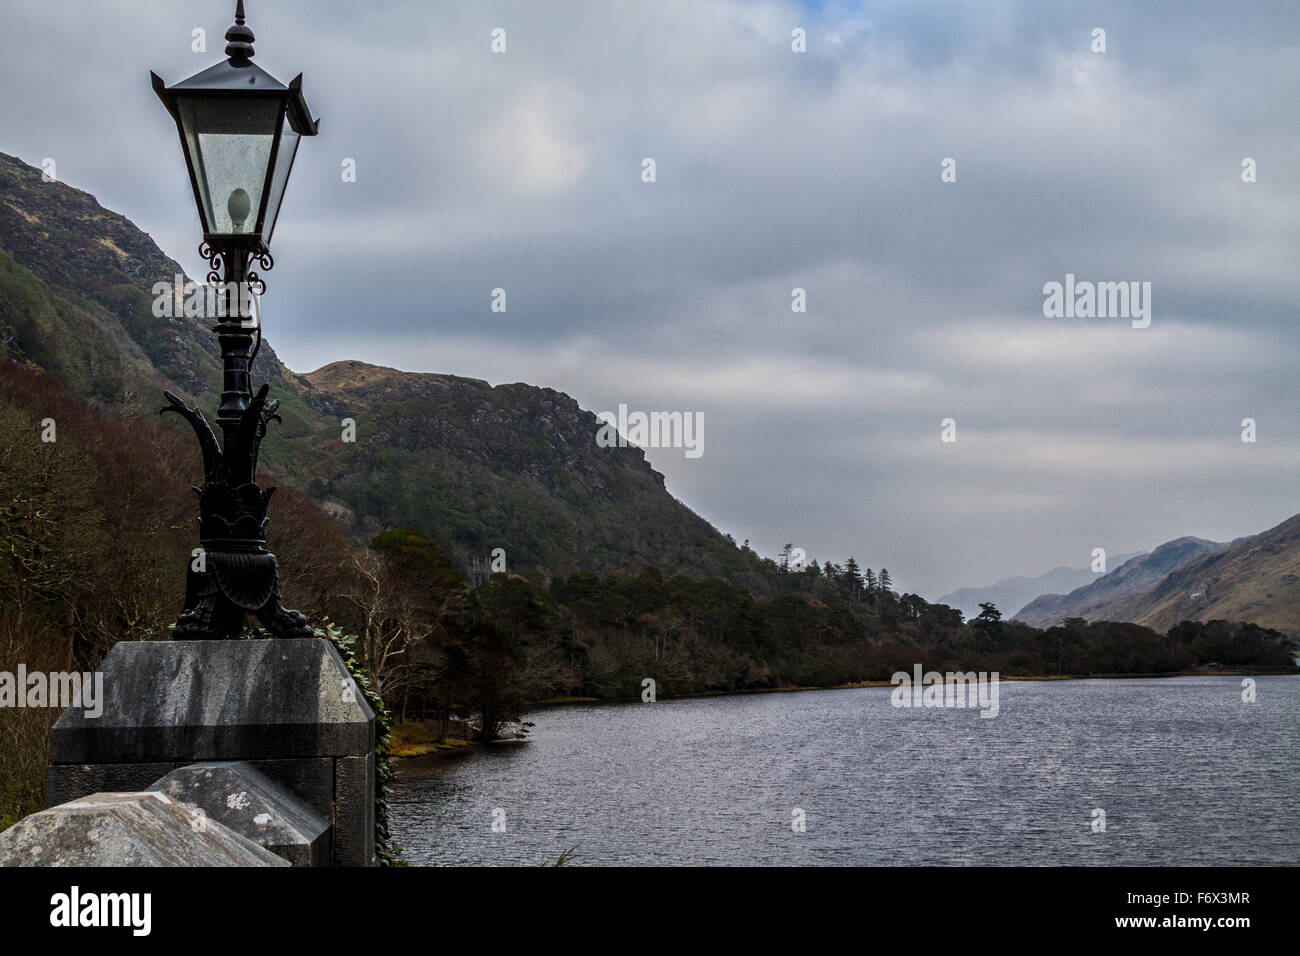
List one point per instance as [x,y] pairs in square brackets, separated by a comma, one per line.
[1256,578]
[1011,594]
[1131,579]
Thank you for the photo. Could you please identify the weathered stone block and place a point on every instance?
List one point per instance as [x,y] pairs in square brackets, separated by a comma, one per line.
[354,811]
[186,701]
[239,796]
[310,779]
[127,829]
[66,782]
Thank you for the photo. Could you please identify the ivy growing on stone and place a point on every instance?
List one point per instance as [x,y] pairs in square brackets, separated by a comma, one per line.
[385,850]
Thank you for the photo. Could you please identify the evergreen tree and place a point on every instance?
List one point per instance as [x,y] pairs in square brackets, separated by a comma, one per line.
[784,562]
[853,576]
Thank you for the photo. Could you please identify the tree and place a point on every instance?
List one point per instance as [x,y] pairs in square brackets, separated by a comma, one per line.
[399,590]
[497,618]
[913,606]
[853,576]
[417,559]
[390,624]
[989,616]
[944,616]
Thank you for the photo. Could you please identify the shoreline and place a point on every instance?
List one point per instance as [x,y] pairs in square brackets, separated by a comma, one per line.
[431,752]
[855,685]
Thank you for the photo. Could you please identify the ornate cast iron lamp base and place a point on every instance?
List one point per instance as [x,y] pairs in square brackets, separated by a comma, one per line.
[237,576]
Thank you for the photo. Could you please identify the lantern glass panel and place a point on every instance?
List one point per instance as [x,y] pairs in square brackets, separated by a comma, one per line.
[280,177]
[229,140]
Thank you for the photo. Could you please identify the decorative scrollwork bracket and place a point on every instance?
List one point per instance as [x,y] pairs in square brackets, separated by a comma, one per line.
[220,255]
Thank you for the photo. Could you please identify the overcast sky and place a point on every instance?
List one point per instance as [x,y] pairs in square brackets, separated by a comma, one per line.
[776,170]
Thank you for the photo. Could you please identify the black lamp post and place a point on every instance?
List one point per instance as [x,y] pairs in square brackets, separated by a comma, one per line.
[239,128]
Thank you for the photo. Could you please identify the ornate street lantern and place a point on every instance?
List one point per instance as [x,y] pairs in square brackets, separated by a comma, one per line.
[239,129]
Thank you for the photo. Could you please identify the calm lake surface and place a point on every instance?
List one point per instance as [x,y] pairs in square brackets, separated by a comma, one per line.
[1186,773]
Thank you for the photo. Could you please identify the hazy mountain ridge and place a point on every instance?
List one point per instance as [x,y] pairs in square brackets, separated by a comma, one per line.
[1132,578]
[1012,594]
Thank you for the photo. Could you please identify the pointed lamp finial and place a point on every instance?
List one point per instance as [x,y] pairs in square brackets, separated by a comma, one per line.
[239,38]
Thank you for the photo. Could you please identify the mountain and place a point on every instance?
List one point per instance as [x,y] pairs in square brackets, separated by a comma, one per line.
[1011,594]
[473,466]
[1103,598]
[1254,579]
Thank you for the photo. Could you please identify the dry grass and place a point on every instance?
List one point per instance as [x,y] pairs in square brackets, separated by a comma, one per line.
[418,738]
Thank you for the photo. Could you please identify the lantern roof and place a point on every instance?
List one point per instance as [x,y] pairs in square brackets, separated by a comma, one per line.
[239,128]
[240,75]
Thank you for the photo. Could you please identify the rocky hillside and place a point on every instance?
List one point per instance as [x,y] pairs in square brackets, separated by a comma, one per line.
[473,466]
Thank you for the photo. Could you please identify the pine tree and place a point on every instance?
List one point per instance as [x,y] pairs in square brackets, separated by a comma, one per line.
[853,574]
[784,563]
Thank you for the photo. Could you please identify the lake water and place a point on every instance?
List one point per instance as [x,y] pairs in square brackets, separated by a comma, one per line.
[1186,772]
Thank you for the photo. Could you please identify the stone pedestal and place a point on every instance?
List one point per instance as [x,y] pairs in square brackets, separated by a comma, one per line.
[289,708]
